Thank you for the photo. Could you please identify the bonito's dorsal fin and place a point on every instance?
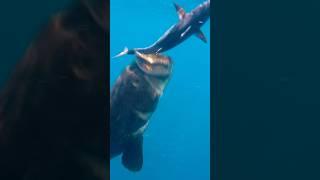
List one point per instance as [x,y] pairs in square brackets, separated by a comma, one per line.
[181,12]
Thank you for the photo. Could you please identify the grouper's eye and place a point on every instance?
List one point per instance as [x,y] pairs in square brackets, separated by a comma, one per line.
[154,64]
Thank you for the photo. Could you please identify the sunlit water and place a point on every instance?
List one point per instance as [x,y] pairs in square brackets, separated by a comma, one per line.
[177,142]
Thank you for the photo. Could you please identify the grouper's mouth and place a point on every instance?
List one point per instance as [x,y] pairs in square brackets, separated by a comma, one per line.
[154,64]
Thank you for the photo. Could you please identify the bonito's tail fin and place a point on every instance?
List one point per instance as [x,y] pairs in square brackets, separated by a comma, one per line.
[124,52]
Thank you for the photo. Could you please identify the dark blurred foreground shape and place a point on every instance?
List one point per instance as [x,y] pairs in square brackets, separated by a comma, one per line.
[53,109]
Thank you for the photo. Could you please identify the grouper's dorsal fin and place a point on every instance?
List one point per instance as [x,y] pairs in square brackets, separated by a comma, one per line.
[181,12]
[201,36]
[132,157]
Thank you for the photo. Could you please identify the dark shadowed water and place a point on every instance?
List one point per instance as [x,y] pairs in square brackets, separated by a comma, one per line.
[21,21]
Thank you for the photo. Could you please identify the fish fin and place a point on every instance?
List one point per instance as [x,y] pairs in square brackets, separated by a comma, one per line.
[124,52]
[181,12]
[201,36]
[132,157]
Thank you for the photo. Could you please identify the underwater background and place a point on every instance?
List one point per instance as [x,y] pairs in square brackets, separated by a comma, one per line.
[177,141]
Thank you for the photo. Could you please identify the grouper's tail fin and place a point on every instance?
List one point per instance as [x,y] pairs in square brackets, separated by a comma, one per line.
[124,52]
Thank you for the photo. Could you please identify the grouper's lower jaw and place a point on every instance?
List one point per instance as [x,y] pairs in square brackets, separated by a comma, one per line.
[156,65]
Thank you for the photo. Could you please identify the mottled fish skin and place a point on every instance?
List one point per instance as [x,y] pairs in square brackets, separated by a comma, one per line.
[189,24]
[133,99]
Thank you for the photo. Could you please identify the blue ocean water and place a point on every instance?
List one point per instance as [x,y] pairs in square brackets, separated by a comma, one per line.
[177,141]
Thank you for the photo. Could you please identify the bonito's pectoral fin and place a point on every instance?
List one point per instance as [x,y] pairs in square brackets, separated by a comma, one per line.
[201,36]
[181,12]
[132,157]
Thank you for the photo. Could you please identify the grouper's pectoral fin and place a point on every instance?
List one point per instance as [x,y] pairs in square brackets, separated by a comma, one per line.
[132,157]
[181,12]
[201,36]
